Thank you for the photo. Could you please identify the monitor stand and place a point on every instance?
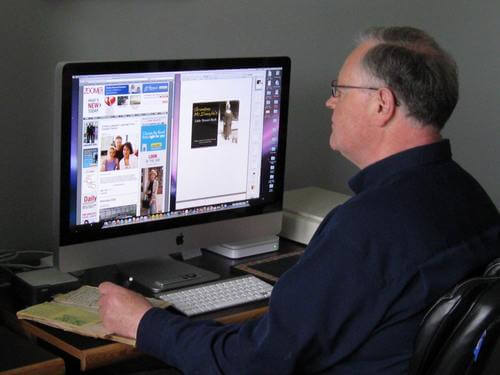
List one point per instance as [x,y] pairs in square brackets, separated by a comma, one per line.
[160,274]
[237,250]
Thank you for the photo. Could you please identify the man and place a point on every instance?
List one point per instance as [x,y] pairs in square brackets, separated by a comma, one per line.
[152,191]
[228,121]
[119,147]
[416,226]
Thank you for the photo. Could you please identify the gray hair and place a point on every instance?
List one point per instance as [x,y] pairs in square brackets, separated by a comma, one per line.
[420,73]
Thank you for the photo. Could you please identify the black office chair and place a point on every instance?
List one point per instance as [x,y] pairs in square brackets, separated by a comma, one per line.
[460,334]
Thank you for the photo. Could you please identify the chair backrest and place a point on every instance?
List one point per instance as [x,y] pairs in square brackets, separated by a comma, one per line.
[493,268]
[460,334]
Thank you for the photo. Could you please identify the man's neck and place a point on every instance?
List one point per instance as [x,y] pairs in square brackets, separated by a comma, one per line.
[399,139]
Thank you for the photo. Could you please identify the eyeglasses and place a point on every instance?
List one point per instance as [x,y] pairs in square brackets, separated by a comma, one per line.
[336,87]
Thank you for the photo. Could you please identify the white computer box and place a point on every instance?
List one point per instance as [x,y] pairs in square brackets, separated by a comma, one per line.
[305,208]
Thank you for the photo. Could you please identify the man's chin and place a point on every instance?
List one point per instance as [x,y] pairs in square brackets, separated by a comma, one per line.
[332,143]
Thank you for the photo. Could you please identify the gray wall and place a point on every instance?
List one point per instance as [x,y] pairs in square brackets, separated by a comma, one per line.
[316,34]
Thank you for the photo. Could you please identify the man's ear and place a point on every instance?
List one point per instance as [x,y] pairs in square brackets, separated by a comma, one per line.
[385,106]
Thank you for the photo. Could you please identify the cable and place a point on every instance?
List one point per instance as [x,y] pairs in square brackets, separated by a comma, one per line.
[34,251]
[13,254]
[6,257]
[20,265]
[10,255]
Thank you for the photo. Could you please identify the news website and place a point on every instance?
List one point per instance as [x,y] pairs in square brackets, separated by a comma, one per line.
[158,145]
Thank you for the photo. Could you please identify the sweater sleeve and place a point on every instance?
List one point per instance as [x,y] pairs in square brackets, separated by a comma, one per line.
[206,347]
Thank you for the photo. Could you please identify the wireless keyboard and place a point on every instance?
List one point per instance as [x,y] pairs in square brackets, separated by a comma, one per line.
[218,295]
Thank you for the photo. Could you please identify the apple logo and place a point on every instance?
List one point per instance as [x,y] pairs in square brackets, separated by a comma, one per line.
[179,240]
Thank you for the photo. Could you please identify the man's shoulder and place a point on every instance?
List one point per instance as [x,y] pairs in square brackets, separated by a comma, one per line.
[422,185]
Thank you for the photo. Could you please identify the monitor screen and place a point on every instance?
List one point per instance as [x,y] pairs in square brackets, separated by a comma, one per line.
[156,146]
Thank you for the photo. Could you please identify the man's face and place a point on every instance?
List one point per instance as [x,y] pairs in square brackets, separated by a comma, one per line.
[350,109]
[118,142]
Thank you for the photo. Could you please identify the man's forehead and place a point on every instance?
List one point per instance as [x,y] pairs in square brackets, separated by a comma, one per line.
[352,65]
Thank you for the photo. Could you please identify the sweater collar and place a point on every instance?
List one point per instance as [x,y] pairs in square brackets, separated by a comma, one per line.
[380,171]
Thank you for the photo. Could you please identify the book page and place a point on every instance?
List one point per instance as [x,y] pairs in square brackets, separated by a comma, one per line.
[62,313]
[77,312]
[69,318]
[87,297]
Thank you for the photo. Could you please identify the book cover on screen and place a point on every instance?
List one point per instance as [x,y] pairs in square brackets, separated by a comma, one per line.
[205,124]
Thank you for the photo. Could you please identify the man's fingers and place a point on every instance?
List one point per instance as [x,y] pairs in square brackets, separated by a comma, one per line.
[108,287]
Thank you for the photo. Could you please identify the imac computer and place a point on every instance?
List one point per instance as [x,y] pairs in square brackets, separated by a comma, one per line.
[160,157]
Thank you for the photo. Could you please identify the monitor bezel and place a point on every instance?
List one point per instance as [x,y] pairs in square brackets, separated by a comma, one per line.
[92,232]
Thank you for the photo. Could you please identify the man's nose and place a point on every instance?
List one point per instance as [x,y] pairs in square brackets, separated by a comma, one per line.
[331,102]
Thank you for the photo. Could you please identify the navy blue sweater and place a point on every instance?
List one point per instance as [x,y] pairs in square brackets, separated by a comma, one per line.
[417,225]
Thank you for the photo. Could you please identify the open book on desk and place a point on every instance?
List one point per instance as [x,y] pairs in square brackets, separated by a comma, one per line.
[77,312]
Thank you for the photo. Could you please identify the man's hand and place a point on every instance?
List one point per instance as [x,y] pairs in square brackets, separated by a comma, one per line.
[121,309]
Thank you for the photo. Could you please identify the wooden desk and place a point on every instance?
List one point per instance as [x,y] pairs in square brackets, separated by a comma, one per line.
[93,353]
[19,356]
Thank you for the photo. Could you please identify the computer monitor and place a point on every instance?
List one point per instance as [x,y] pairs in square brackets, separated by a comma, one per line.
[160,157]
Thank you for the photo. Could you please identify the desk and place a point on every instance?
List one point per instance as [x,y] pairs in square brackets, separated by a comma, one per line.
[20,356]
[93,353]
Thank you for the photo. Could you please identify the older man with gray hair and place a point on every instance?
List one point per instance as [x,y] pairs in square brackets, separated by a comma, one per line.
[416,225]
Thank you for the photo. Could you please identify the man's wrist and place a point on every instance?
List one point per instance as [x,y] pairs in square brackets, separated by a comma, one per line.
[138,322]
